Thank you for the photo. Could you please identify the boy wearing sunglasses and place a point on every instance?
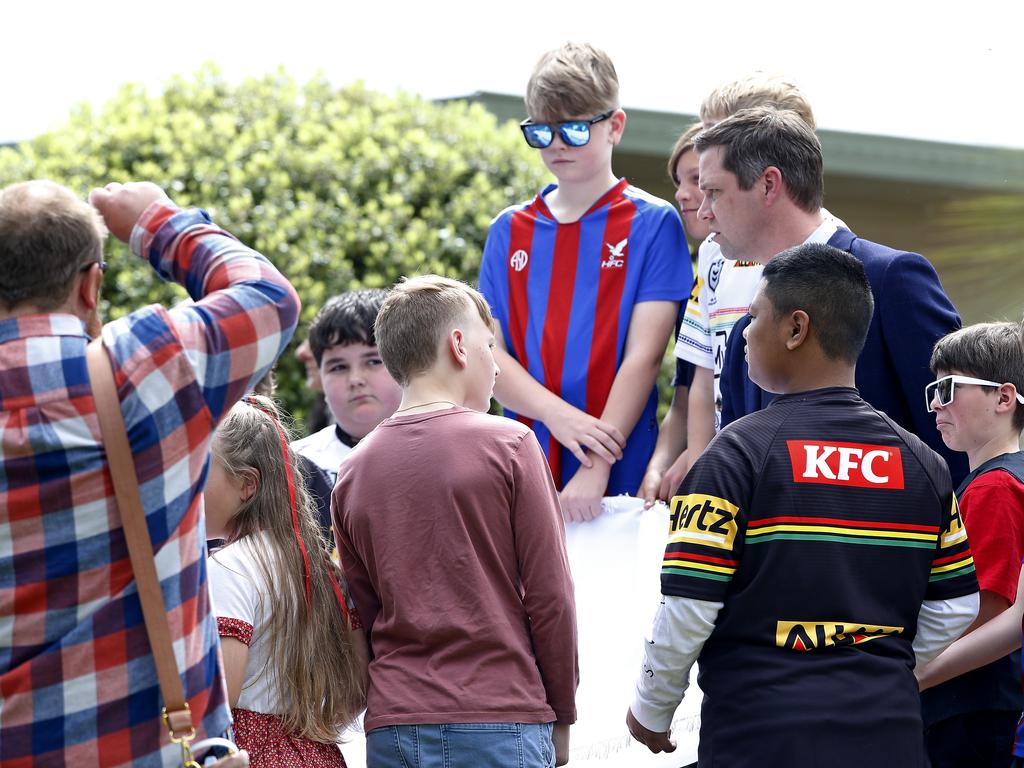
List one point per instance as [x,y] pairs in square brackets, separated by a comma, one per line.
[979,410]
[585,281]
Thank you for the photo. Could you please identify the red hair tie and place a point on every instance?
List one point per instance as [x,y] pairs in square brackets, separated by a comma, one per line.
[339,594]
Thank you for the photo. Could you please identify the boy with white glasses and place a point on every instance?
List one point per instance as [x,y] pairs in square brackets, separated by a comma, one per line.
[979,410]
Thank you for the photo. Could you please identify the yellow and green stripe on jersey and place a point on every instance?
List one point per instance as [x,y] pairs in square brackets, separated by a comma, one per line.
[838,530]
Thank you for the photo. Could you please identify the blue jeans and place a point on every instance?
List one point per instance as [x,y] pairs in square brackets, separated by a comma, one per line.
[461,745]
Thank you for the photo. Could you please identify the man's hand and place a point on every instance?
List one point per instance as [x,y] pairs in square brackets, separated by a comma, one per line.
[578,430]
[654,741]
[121,205]
[560,738]
[581,497]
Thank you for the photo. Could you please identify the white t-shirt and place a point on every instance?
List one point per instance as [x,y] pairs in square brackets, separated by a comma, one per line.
[238,591]
[325,449]
[720,299]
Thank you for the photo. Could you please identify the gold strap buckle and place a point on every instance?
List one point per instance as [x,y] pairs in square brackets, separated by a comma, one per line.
[185,738]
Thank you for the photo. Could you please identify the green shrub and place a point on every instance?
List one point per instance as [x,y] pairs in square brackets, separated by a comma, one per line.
[340,188]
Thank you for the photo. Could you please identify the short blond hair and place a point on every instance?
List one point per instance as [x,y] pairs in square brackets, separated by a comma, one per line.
[416,315]
[575,80]
[683,145]
[757,90]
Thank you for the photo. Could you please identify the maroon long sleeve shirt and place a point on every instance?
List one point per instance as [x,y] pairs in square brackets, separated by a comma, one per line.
[452,543]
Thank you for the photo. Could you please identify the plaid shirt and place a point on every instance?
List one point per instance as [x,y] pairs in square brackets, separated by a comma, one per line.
[77,682]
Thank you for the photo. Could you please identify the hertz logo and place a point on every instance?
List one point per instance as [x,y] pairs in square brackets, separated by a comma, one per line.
[815,635]
[864,466]
[700,519]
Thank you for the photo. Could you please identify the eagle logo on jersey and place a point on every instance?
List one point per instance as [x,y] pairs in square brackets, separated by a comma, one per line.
[519,260]
[815,635]
[615,254]
[856,464]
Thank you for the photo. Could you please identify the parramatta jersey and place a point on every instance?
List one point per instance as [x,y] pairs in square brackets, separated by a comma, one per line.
[564,295]
[822,526]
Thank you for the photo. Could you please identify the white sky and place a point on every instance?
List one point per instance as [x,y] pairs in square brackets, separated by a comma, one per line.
[931,70]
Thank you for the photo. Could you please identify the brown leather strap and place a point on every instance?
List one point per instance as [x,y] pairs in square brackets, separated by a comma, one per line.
[121,464]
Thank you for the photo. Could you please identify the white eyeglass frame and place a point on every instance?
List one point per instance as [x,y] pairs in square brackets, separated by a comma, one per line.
[931,389]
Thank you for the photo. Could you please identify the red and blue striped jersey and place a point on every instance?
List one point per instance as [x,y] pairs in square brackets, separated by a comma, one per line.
[564,295]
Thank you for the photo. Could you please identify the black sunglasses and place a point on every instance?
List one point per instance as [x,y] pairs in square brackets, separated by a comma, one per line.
[575,133]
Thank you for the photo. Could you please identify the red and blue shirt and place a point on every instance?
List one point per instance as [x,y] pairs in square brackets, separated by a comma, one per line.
[564,294]
[77,680]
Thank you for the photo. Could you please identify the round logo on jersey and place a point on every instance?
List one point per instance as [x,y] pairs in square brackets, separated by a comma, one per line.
[519,260]
[714,273]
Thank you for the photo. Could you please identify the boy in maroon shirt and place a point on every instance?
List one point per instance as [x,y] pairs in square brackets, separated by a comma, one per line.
[451,538]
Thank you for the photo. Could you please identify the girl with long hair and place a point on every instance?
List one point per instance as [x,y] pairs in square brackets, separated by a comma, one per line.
[294,652]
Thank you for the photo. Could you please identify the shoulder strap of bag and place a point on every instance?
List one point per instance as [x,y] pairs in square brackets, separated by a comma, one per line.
[121,464]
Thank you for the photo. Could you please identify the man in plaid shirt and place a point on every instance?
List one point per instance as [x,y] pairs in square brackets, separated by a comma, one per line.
[77,682]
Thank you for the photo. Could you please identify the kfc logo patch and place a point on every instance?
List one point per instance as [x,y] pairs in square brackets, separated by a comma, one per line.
[856,464]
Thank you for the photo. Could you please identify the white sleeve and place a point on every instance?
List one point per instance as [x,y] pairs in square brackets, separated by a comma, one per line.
[681,627]
[940,622]
[231,585]
[693,344]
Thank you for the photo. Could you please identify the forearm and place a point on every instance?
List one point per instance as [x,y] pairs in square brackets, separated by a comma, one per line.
[630,390]
[700,428]
[984,645]
[681,627]
[672,435]
[940,622]
[245,310]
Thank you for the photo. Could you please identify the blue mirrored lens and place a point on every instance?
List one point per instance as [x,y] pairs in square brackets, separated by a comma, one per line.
[575,134]
[538,136]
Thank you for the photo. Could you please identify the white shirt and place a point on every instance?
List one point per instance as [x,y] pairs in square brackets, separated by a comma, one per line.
[239,591]
[324,449]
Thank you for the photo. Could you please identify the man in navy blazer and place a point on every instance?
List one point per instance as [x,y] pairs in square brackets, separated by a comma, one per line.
[762,175]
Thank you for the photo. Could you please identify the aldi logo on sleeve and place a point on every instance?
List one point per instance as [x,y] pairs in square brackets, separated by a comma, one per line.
[856,464]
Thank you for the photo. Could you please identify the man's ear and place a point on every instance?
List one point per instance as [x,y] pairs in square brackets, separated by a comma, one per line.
[87,288]
[798,329]
[773,186]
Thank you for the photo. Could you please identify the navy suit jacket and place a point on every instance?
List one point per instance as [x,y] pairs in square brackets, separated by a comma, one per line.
[911,313]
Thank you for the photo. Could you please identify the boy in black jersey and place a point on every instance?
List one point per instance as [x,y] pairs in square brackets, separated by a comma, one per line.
[815,554]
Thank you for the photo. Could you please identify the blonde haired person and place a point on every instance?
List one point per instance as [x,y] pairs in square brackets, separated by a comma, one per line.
[756,90]
[450,535]
[294,651]
[585,281]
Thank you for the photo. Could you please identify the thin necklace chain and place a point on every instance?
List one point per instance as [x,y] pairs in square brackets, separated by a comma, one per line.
[424,405]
